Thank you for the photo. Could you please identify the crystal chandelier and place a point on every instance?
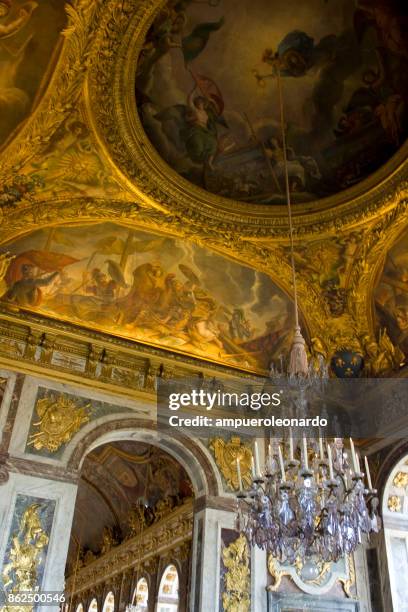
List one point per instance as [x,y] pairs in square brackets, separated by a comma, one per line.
[311,507]
[306,503]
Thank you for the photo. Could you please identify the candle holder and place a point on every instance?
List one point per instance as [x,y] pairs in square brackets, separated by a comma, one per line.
[252,493]
[306,473]
[270,475]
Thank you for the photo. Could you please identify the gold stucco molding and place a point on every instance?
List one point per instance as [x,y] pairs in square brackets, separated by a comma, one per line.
[94,80]
[33,344]
[164,536]
[328,574]
[64,90]
[96,68]
[335,331]
[112,111]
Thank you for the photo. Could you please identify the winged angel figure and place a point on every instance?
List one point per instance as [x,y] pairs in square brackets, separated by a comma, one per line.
[194,127]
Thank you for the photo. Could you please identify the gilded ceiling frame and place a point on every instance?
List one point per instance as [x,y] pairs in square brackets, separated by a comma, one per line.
[112,106]
[95,78]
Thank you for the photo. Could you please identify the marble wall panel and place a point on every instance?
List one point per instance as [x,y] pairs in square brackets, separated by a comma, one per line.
[44,432]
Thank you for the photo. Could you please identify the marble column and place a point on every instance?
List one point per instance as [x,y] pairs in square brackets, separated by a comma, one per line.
[152,569]
[206,561]
[383,570]
[259,580]
[184,558]
[362,579]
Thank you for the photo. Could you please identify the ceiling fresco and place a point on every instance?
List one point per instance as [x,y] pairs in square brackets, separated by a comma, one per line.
[210,107]
[29,34]
[83,158]
[391,295]
[153,289]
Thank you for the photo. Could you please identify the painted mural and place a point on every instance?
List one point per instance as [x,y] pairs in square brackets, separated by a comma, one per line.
[329,264]
[29,33]
[391,296]
[68,164]
[208,98]
[150,288]
[141,471]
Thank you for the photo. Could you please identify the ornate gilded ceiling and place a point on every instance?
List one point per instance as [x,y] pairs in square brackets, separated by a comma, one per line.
[208,96]
[29,47]
[81,163]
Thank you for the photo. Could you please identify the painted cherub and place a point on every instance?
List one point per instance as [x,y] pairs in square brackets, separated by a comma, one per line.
[24,14]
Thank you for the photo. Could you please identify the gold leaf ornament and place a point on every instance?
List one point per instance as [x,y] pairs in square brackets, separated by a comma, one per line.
[401,480]
[394,503]
[60,419]
[236,595]
[21,573]
[226,455]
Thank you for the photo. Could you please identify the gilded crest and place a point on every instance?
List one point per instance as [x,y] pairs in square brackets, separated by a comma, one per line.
[60,419]
[226,455]
[322,578]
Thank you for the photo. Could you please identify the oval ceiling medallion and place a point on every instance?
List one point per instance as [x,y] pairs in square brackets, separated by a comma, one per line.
[208,99]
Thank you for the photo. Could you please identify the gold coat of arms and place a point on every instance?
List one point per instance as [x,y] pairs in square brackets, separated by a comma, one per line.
[60,419]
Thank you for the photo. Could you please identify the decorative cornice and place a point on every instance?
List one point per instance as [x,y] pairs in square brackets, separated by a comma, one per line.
[35,344]
[29,467]
[162,537]
[227,504]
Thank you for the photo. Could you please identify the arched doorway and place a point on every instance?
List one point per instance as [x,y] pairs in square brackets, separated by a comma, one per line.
[168,597]
[190,453]
[141,596]
[395,516]
[87,456]
[93,606]
[109,603]
[131,495]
